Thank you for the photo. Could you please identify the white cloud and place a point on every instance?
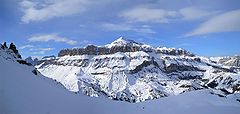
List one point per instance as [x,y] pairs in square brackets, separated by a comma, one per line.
[193,13]
[27,4]
[127,27]
[34,11]
[40,51]
[26,46]
[46,49]
[116,27]
[37,57]
[226,22]
[141,14]
[52,37]
[144,30]
[86,41]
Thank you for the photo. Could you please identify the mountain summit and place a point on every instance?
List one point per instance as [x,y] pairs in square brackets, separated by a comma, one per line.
[123,42]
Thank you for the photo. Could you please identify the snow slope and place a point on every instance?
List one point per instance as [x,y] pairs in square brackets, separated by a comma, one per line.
[22,92]
[25,92]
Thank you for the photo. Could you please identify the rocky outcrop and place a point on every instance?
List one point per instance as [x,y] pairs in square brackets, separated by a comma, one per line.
[11,50]
[179,68]
[144,64]
[24,62]
[103,50]
[91,50]
[4,45]
[173,51]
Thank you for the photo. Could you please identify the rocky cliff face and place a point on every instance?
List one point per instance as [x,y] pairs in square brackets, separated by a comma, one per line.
[173,51]
[122,45]
[134,72]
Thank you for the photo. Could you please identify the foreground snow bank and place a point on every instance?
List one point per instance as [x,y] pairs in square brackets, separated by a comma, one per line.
[22,92]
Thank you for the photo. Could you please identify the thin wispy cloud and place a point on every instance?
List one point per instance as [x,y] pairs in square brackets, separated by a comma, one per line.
[26,46]
[116,27]
[141,14]
[40,51]
[86,41]
[52,37]
[226,22]
[83,43]
[37,11]
[194,13]
[127,27]
[156,15]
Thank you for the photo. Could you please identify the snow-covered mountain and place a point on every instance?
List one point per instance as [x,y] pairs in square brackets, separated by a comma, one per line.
[122,41]
[129,71]
[229,61]
[24,90]
[37,61]
[31,60]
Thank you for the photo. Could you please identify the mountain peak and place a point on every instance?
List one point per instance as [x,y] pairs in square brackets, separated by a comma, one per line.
[121,38]
[122,41]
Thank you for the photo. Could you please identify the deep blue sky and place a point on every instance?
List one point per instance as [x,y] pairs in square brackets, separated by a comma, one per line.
[43,27]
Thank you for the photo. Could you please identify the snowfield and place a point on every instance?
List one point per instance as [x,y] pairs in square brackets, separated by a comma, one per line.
[22,92]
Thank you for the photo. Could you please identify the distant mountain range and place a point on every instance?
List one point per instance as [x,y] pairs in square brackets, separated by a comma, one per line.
[130,71]
[186,82]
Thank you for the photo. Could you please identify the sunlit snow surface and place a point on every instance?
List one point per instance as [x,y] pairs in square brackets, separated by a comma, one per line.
[111,74]
[22,92]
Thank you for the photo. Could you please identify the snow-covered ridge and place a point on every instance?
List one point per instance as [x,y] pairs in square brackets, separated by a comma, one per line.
[229,61]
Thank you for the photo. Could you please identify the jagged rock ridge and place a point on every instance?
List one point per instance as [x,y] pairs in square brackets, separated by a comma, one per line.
[121,45]
[12,54]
